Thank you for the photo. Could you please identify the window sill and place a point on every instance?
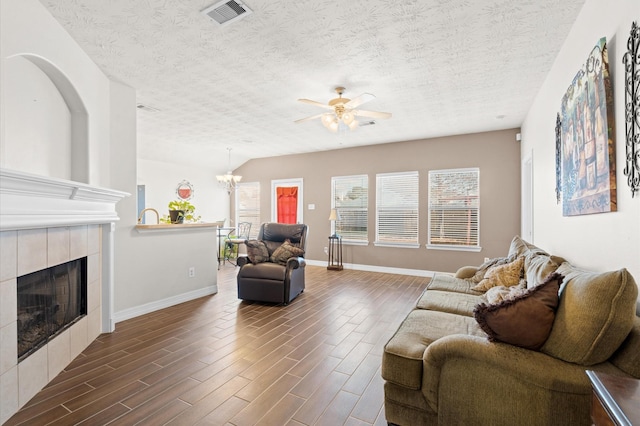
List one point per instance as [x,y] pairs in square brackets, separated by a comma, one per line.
[354,243]
[396,245]
[452,248]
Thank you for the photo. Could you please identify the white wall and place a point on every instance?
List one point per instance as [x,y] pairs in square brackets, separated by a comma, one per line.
[28,29]
[603,241]
[149,271]
[162,179]
[38,117]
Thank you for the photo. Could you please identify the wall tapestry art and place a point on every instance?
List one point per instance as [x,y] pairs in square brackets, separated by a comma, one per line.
[631,61]
[588,139]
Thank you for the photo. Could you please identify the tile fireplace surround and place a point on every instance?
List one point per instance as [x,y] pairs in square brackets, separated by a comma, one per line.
[45,222]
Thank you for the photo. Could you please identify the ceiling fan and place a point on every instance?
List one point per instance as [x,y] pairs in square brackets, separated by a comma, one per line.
[343,111]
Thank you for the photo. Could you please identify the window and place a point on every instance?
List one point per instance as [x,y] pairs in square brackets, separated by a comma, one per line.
[350,197]
[397,209]
[454,209]
[248,206]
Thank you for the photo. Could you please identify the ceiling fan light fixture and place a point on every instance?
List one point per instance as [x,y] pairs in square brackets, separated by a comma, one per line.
[348,117]
[343,111]
[327,119]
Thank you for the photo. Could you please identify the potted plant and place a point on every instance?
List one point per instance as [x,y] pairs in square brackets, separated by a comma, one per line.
[180,211]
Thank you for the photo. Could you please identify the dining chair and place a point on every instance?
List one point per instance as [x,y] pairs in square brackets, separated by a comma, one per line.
[234,239]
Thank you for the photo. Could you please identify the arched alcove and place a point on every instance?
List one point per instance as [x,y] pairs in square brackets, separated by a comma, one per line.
[46,120]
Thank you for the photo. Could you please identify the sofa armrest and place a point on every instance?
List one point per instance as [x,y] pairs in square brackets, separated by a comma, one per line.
[467,364]
[466,272]
[242,260]
[295,263]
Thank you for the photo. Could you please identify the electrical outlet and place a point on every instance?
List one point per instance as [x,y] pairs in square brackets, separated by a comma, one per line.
[326,250]
[192,272]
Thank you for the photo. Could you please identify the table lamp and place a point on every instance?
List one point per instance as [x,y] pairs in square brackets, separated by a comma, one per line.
[333,216]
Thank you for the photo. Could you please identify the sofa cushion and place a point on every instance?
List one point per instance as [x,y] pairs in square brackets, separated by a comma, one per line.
[272,245]
[263,271]
[507,275]
[517,247]
[524,320]
[402,357]
[279,232]
[520,247]
[285,252]
[594,316]
[446,301]
[537,267]
[257,251]
[444,282]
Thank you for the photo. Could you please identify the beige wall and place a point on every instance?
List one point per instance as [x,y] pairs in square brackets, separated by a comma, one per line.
[496,154]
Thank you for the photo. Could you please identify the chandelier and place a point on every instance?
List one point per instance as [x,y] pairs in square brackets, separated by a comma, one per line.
[228,181]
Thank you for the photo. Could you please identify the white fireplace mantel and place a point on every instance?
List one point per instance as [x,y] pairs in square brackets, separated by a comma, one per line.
[30,206]
[30,201]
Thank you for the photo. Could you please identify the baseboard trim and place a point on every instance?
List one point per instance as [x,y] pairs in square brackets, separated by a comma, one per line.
[147,308]
[382,269]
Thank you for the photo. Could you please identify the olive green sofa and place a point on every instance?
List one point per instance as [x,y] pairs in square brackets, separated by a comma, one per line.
[441,368]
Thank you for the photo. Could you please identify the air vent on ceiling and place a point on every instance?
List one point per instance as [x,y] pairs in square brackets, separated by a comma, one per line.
[225,12]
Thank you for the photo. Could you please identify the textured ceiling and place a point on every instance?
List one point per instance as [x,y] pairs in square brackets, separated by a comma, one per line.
[442,67]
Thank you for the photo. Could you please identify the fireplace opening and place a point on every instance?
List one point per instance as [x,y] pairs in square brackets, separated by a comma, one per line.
[49,301]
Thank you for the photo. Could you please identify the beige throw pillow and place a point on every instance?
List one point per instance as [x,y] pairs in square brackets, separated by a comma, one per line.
[286,251]
[506,275]
[256,251]
[499,293]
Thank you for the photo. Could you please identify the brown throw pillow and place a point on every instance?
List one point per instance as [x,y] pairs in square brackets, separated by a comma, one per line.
[286,251]
[507,275]
[524,320]
[257,251]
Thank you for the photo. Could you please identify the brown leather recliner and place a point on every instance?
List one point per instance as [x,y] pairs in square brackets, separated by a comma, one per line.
[272,282]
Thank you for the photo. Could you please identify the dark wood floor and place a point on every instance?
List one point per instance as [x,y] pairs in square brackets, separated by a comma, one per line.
[218,360]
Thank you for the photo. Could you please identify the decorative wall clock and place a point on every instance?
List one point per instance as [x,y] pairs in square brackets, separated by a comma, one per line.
[184,191]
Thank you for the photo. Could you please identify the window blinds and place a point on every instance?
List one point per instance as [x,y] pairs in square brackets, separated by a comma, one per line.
[248,206]
[350,197]
[454,207]
[397,209]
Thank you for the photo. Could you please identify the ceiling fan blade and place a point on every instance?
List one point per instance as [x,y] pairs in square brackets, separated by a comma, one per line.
[371,114]
[321,105]
[359,100]
[313,117]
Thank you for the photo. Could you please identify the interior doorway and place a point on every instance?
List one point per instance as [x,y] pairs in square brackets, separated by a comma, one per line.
[287,201]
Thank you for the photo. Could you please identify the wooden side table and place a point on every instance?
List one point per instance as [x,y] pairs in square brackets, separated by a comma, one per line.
[335,253]
[615,400]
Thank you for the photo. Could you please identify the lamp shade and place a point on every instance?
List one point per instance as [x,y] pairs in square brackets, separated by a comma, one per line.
[334,215]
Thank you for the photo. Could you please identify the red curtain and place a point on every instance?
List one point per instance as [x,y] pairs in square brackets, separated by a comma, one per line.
[287,204]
